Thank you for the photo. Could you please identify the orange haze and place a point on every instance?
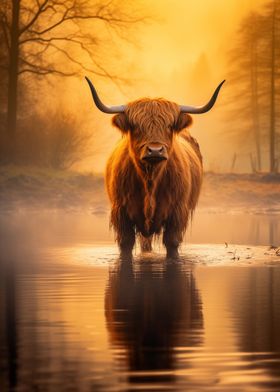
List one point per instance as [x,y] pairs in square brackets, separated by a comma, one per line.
[179,55]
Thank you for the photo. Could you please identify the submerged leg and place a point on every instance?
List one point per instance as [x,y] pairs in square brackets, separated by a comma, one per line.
[125,232]
[172,237]
[126,240]
[145,243]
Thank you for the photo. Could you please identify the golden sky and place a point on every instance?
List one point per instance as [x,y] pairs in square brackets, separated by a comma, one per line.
[179,55]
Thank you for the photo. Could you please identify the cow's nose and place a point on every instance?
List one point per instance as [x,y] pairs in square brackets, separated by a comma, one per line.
[155,154]
[155,150]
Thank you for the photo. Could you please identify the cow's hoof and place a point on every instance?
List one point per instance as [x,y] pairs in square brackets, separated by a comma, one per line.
[126,255]
[172,254]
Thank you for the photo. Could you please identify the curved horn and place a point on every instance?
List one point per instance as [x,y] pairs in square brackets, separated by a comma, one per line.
[204,108]
[100,105]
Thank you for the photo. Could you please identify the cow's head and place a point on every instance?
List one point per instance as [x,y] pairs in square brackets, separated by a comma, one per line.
[151,124]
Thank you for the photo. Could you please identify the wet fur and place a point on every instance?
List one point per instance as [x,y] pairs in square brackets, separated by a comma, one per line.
[151,199]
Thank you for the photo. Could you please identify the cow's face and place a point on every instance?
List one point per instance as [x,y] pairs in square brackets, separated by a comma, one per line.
[150,126]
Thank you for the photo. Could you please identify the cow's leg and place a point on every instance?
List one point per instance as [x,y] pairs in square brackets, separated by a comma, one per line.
[145,243]
[172,237]
[125,233]
[126,241]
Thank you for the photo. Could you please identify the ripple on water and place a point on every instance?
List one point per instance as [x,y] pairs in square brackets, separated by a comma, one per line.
[75,318]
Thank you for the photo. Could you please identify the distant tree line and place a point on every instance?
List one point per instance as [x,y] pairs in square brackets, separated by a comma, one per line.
[42,38]
[254,106]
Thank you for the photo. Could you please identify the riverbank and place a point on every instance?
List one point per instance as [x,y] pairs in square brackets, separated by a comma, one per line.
[227,192]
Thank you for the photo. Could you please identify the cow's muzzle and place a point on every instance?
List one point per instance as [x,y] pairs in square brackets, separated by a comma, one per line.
[154,154]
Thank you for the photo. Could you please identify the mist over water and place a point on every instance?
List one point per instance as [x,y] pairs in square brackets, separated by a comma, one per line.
[74,318]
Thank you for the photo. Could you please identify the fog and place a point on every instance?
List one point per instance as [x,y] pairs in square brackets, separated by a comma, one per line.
[180,52]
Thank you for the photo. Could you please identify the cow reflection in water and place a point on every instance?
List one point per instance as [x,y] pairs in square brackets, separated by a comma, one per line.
[150,310]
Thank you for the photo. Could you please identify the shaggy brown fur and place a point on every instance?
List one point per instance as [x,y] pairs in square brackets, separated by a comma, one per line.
[149,198]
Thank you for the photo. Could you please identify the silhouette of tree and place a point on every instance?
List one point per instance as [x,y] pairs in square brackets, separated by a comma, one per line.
[43,37]
[271,68]
[254,64]
[243,61]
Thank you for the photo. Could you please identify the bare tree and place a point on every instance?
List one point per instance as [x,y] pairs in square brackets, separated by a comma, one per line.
[3,72]
[271,52]
[38,34]
[243,60]
[255,76]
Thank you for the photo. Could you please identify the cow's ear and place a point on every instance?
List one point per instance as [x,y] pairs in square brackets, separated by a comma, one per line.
[184,121]
[120,121]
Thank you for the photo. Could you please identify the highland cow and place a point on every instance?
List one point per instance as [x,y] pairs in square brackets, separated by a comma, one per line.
[154,175]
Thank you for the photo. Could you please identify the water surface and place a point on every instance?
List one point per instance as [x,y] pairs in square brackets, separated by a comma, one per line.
[73,318]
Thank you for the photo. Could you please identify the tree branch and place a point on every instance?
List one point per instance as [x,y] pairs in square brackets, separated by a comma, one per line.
[5,29]
[40,70]
[45,72]
[39,11]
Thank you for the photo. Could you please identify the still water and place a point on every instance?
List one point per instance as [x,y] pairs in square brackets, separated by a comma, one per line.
[73,318]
